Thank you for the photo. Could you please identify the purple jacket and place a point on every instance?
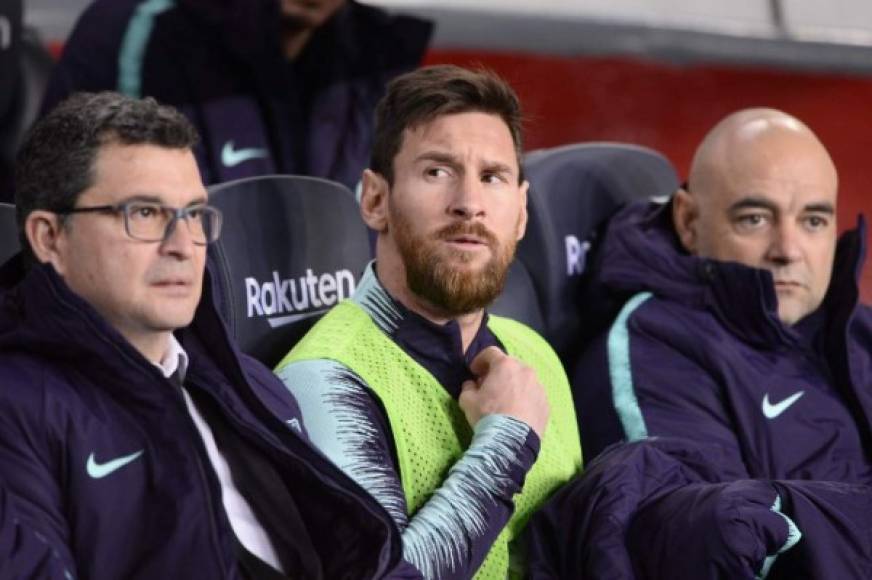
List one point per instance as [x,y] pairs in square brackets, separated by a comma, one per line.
[749,441]
[106,467]
[24,553]
[220,62]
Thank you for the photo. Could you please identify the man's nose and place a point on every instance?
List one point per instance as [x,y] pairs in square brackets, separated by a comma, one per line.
[468,200]
[786,244]
[178,240]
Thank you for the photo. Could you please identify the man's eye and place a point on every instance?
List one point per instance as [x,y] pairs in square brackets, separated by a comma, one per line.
[492,178]
[751,220]
[145,212]
[816,222]
[437,172]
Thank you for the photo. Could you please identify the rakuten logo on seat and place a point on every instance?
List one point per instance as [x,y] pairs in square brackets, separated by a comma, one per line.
[576,255]
[288,300]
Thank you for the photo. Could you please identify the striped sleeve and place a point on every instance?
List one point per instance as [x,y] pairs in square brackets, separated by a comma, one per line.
[452,533]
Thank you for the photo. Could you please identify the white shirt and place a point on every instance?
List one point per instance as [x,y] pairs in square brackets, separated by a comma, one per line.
[245,524]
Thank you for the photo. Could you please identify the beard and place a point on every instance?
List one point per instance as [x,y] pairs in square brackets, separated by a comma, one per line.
[432,271]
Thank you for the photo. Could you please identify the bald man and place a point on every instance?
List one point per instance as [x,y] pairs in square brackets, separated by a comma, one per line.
[736,382]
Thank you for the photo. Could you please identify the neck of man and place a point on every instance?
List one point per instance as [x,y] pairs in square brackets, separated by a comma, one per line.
[294,40]
[153,346]
[392,276]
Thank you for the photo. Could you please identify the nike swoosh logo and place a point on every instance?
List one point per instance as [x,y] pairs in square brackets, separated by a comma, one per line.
[100,470]
[277,321]
[771,411]
[232,157]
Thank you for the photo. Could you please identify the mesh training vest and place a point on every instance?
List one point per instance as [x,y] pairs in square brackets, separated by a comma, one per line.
[429,429]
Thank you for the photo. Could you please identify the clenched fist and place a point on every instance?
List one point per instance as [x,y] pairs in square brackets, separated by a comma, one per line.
[504,385]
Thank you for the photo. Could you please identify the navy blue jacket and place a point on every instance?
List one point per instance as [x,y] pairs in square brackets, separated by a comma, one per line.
[24,553]
[220,62]
[750,440]
[76,396]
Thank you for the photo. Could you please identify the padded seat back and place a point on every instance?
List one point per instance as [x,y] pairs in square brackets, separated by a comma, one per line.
[574,189]
[291,247]
[25,67]
[9,244]
[518,299]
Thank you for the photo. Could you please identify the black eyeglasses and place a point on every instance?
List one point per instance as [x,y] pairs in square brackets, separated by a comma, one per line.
[152,222]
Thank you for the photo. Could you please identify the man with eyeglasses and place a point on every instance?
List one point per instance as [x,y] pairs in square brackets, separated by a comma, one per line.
[135,440]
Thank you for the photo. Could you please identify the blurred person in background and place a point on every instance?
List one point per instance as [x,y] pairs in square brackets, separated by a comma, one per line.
[272,86]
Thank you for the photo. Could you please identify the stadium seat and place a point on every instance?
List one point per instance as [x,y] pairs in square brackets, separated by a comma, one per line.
[573,191]
[290,248]
[9,244]
[518,299]
[25,67]
[10,41]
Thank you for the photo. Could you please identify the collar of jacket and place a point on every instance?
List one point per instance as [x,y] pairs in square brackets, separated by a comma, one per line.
[39,313]
[41,316]
[436,347]
[641,252]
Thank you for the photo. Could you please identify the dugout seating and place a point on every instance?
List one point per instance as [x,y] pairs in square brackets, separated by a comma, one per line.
[25,67]
[9,244]
[291,247]
[574,189]
[518,299]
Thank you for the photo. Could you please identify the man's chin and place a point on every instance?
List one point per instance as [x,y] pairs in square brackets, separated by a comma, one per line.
[172,318]
[472,261]
[790,312]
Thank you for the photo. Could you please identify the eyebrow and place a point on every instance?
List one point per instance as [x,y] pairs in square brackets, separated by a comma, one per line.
[146,198]
[449,159]
[753,202]
[824,207]
[498,167]
[437,156]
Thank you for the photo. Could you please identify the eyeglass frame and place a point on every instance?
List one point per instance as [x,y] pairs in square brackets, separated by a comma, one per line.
[179,213]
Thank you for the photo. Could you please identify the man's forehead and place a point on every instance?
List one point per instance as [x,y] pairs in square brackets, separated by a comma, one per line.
[483,136]
[786,196]
[443,128]
[779,164]
[165,175]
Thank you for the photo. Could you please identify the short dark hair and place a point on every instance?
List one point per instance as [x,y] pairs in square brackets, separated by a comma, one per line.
[56,161]
[429,92]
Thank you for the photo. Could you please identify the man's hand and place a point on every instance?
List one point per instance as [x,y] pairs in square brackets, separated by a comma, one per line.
[504,386]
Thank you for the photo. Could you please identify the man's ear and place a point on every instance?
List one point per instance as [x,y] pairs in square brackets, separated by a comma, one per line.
[685,218]
[522,219]
[374,200]
[45,234]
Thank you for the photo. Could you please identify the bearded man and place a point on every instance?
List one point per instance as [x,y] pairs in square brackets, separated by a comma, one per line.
[439,410]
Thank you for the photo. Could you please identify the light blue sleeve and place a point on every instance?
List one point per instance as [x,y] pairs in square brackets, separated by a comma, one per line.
[342,421]
[452,533]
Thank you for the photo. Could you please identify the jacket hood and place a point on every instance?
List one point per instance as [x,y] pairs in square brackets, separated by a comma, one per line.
[641,252]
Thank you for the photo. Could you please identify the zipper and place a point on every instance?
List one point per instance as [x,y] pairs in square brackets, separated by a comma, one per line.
[311,464]
[236,377]
[199,452]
